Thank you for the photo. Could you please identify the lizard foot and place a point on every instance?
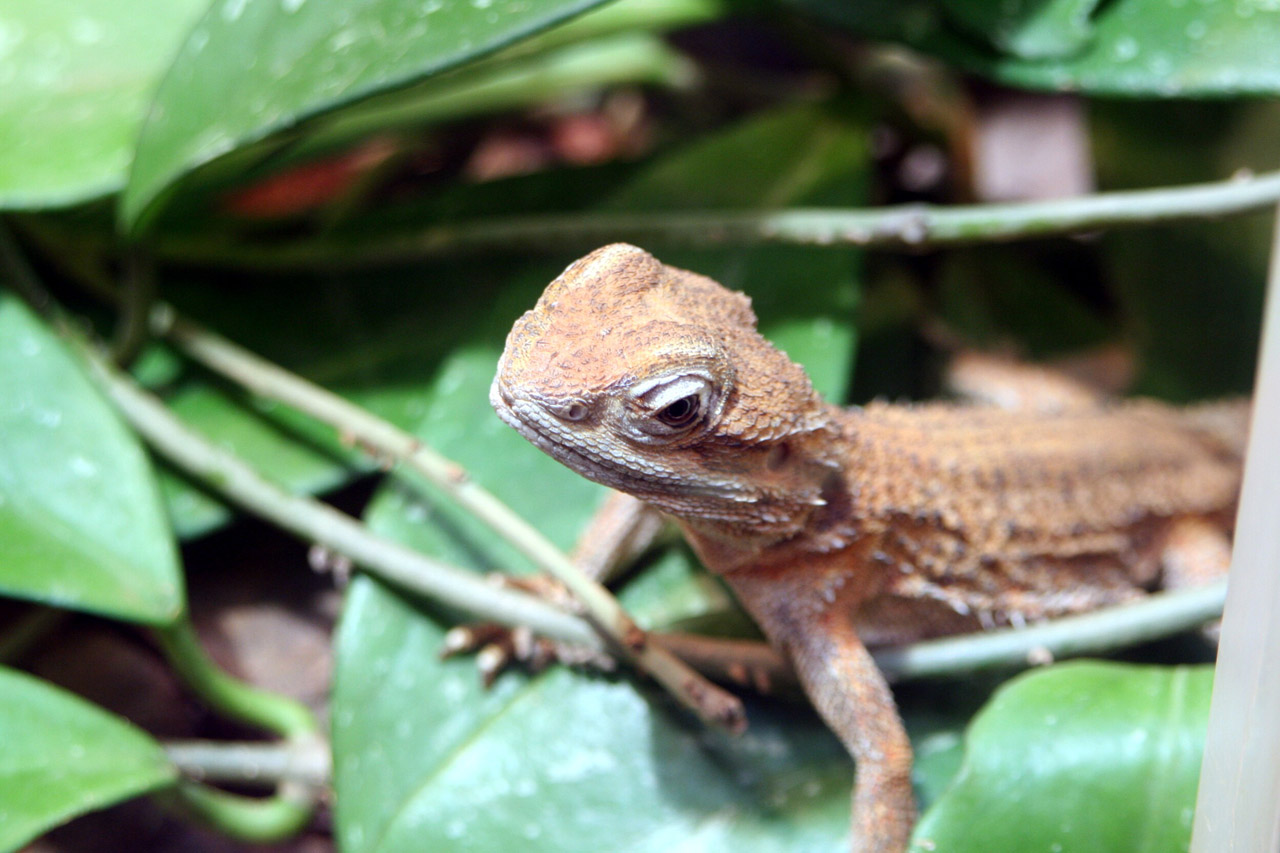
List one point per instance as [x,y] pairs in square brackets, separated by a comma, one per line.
[499,647]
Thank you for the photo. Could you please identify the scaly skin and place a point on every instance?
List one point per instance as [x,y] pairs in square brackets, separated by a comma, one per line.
[840,529]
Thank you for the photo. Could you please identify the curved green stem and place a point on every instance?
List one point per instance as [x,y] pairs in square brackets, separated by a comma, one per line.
[234,698]
[136,298]
[259,820]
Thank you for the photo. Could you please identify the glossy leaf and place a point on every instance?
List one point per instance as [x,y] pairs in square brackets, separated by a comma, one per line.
[75,82]
[80,517]
[1126,47]
[253,67]
[424,758]
[1036,30]
[64,757]
[1084,756]
[616,43]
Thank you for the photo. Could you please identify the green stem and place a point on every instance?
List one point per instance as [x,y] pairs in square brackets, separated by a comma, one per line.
[234,698]
[1156,616]
[136,298]
[258,820]
[912,226]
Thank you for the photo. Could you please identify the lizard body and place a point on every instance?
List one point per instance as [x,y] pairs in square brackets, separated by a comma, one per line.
[839,529]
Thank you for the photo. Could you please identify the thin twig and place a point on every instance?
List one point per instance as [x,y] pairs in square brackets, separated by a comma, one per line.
[912,226]
[1156,616]
[303,760]
[387,440]
[758,665]
[317,522]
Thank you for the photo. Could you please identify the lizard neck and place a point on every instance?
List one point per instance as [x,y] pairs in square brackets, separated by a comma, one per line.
[799,496]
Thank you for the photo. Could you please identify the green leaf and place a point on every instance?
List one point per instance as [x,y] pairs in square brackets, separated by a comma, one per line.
[567,761]
[80,516]
[253,67]
[1084,756]
[1124,47]
[75,82]
[1029,30]
[616,43]
[425,757]
[64,757]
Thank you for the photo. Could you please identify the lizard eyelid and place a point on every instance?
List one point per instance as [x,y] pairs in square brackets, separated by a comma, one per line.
[672,405]
[656,395]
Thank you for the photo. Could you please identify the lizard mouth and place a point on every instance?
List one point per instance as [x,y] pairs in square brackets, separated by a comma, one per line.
[538,428]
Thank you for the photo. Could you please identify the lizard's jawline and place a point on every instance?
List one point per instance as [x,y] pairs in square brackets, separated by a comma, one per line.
[563,454]
[603,472]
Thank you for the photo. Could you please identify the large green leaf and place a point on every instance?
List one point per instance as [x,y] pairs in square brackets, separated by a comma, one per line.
[63,757]
[253,67]
[419,749]
[1125,47]
[1089,757]
[80,517]
[75,82]
[612,44]
[425,758]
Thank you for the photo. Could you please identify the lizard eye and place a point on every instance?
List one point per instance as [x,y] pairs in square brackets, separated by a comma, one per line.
[682,412]
[670,406]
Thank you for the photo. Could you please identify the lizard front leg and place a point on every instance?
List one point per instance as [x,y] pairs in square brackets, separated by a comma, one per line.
[622,529]
[851,695]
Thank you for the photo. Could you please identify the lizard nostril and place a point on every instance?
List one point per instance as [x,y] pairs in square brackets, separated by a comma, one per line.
[574,411]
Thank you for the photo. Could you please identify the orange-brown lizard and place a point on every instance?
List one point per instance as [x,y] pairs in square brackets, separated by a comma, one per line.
[840,529]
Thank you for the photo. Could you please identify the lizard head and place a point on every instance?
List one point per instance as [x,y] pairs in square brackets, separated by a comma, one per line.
[654,381]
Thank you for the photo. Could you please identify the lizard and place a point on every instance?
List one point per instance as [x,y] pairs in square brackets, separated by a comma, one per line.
[842,529]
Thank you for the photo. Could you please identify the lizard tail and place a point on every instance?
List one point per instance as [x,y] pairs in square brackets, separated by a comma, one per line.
[1222,424]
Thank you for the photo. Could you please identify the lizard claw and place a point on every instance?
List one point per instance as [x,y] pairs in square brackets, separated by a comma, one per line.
[499,647]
